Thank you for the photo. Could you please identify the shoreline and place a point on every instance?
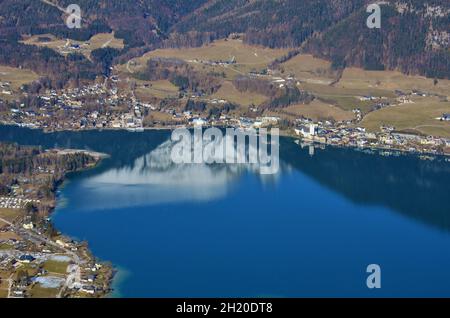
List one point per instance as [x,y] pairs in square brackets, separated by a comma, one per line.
[44,244]
[283,133]
[368,148]
[99,157]
[111,291]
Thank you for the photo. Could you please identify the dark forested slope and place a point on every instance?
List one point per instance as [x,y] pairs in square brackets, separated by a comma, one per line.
[414,36]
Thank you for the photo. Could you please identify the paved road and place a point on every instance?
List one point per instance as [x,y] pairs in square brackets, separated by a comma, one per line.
[74,276]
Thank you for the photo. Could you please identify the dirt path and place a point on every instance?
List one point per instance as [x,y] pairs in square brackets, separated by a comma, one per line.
[10,283]
[54,5]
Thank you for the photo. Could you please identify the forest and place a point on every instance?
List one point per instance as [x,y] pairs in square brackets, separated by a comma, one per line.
[27,161]
[414,37]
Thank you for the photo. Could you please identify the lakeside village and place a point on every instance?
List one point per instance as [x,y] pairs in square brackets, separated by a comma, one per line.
[35,259]
[109,109]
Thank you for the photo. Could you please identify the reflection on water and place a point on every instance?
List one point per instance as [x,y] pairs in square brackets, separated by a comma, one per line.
[154,179]
[214,230]
[417,189]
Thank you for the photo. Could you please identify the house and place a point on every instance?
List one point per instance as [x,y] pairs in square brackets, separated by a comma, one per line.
[28,226]
[88,289]
[267,120]
[307,131]
[61,243]
[18,293]
[91,278]
[198,122]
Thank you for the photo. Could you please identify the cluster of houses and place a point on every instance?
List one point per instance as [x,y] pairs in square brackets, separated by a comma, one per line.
[20,286]
[72,47]
[15,203]
[341,134]
[241,123]
[231,61]
[5,88]
[88,279]
[83,279]
[445,117]
[76,117]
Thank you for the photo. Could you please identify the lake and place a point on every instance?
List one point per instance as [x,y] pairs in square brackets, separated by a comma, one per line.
[227,231]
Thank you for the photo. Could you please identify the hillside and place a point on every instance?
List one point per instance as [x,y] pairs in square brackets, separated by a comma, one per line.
[414,38]
[135,20]
[286,23]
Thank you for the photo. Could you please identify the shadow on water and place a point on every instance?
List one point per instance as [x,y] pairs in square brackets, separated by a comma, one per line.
[123,147]
[415,188]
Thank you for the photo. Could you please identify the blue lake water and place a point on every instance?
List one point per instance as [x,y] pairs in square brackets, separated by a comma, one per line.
[226,231]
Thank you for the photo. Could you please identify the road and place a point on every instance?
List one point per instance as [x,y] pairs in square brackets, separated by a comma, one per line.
[64,10]
[54,5]
[107,43]
[6,221]
[10,282]
[74,276]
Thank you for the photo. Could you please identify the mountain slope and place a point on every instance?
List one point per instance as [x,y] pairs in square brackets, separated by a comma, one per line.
[144,18]
[267,22]
[414,36]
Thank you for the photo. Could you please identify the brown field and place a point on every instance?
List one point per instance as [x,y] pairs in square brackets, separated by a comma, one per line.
[100,40]
[9,235]
[327,90]
[230,93]
[307,68]
[16,77]
[39,292]
[53,43]
[355,78]
[10,214]
[159,89]
[317,110]
[419,117]
[160,116]
[4,284]
[103,40]
[346,98]
[247,57]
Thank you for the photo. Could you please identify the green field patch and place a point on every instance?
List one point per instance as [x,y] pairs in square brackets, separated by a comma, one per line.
[56,267]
